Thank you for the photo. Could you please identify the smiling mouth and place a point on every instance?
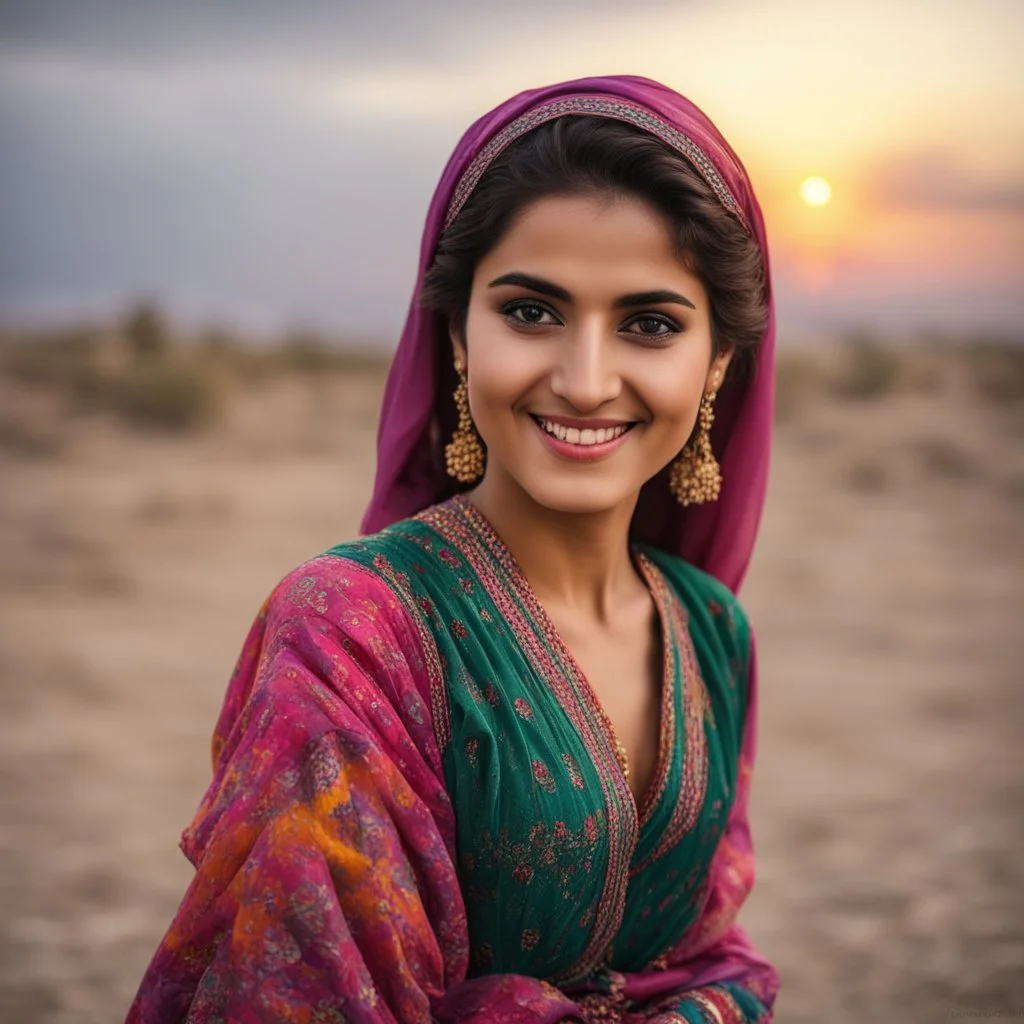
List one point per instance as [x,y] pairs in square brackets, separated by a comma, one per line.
[585,437]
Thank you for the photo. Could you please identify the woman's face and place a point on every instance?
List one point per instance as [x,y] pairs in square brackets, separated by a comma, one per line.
[588,349]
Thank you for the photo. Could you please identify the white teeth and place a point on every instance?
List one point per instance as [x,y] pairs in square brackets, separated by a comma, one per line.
[584,437]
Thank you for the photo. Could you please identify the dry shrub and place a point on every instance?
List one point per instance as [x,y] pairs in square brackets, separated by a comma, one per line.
[27,441]
[50,359]
[1014,488]
[797,375]
[91,389]
[133,375]
[940,457]
[143,374]
[302,352]
[171,396]
[927,368]
[871,370]
[867,476]
[229,357]
[144,331]
[997,370]
[305,353]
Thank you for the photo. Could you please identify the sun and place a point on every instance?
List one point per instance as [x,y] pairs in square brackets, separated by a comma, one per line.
[815,191]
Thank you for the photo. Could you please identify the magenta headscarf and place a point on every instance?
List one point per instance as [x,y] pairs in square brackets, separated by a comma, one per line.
[717,537]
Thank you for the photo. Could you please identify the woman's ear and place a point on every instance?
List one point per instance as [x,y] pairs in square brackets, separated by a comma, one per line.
[717,370]
[458,344]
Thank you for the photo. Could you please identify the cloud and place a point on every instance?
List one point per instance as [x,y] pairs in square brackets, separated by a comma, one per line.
[938,179]
[317,31]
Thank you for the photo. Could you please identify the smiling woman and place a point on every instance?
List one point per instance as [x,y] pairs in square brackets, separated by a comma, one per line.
[491,762]
[586,356]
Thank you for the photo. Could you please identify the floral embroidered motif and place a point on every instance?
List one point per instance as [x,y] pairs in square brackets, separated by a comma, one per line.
[306,591]
[469,684]
[575,776]
[523,873]
[483,956]
[400,579]
[523,709]
[543,777]
[559,851]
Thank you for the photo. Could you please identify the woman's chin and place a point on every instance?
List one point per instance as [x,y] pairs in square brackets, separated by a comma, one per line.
[580,497]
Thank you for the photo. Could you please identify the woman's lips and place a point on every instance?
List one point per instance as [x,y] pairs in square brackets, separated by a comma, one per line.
[581,444]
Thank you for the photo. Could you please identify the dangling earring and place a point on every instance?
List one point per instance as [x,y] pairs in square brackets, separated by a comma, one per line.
[695,476]
[463,455]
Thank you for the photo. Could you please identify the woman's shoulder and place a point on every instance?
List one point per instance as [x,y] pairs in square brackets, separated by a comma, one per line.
[691,579]
[371,568]
[709,603]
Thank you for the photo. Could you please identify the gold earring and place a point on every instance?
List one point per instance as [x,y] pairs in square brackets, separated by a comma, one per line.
[696,476]
[463,455]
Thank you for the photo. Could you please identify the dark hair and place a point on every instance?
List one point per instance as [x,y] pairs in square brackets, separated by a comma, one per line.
[579,155]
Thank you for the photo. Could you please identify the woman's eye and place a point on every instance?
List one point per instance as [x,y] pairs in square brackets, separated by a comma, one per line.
[529,313]
[653,327]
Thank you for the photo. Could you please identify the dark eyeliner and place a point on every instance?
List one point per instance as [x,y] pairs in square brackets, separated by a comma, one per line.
[673,327]
[509,308]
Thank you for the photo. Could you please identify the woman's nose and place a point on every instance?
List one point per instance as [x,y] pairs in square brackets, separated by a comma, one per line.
[585,374]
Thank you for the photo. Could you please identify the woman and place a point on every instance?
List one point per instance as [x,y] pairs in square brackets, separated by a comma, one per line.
[491,762]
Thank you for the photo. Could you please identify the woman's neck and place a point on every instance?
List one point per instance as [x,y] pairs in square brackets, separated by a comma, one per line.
[577,562]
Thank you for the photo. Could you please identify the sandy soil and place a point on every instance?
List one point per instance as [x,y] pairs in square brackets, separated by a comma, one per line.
[887,594]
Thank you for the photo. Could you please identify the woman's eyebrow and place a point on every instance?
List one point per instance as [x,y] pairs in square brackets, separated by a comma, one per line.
[538,284]
[653,299]
[534,284]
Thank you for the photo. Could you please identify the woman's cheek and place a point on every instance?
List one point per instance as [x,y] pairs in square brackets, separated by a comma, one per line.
[671,397]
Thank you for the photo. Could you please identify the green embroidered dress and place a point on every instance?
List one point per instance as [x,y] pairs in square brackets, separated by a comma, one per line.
[416,782]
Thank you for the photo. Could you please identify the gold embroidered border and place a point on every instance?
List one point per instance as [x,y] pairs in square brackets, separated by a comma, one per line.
[667,725]
[603,106]
[694,785]
[462,525]
[431,658]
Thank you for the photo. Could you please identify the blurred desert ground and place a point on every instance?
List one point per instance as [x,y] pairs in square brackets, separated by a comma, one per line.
[153,491]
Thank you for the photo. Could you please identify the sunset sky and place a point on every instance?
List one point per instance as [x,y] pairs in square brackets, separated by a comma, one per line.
[272,168]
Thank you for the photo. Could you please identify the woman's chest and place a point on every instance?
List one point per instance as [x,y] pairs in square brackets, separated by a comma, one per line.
[625,671]
[558,870]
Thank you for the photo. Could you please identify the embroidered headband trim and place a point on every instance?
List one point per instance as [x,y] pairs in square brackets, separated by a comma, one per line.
[617,109]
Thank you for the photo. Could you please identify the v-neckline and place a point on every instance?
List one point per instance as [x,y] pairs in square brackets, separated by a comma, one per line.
[653,581]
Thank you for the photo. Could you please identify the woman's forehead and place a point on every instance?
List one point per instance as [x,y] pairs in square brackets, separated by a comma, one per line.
[589,242]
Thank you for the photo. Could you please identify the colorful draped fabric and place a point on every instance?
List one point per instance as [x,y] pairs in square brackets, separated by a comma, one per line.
[417,813]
